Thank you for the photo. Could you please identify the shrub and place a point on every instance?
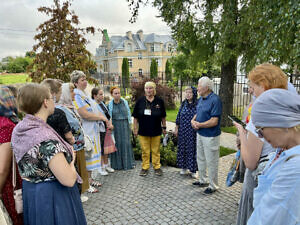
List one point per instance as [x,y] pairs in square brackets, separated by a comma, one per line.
[164,92]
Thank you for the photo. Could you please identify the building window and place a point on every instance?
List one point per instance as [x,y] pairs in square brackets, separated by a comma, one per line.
[152,47]
[169,48]
[130,63]
[158,61]
[157,47]
[140,72]
[106,52]
[140,55]
[129,47]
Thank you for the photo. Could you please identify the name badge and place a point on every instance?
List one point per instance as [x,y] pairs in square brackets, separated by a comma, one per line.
[147,112]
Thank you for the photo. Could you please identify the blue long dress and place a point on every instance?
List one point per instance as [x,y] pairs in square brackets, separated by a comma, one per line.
[123,158]
[186,154]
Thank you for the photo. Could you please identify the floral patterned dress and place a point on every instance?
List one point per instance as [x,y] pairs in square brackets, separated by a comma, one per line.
[6,128]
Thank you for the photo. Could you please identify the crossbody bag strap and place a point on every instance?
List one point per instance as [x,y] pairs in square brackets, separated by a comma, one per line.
[14,172]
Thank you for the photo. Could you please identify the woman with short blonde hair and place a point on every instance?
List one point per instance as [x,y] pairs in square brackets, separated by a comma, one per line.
[149,123]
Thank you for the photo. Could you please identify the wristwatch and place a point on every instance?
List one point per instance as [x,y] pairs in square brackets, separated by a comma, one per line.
[164,128]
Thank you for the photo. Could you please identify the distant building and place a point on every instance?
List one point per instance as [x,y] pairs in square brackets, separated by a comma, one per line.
[139,48]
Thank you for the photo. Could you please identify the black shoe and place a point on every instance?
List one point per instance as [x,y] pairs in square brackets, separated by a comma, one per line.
[200,184]
[143,173]
[209,191]
[158,172]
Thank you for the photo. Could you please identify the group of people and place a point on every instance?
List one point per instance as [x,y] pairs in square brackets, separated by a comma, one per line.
[65,135]
[269,145]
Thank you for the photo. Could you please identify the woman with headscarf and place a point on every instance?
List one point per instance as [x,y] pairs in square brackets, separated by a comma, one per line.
[93,120]
[65,104]
[8,120]
[255,150]
[276,116]
[149,122]
[119,111]
[46,163]
[98,95]
[186,154]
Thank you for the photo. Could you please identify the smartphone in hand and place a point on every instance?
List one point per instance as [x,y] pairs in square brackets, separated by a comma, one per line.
[237,120]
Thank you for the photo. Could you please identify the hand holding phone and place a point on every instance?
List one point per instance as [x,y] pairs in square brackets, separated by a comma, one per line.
[237,120]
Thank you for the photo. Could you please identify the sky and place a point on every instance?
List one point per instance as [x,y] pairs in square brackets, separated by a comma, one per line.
[20,18]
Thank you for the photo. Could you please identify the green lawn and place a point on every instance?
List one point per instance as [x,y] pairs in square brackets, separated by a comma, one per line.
[13,78]
[226,151]
[231,129]
[171,114]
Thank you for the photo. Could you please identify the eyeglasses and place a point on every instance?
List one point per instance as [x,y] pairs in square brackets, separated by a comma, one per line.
[259,132]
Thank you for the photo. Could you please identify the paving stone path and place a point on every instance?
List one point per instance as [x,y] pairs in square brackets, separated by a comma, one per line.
[127,198]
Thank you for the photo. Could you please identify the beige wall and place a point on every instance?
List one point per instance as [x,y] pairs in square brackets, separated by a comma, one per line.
[115,60]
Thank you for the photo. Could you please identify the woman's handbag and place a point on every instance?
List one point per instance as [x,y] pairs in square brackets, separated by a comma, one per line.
[234,172]
[88,146]
[109,143]
[17,193]
[4,216]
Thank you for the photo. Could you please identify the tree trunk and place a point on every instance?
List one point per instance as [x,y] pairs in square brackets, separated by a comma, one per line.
[228,76]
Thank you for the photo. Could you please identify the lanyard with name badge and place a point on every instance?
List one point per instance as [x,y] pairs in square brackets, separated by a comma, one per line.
[147,111]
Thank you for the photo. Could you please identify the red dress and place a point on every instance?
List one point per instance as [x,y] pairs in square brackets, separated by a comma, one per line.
[6,128]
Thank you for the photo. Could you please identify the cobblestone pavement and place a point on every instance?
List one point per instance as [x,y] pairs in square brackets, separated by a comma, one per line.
[127,198]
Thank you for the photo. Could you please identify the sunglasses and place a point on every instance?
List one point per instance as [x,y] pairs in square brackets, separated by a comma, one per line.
[259,132]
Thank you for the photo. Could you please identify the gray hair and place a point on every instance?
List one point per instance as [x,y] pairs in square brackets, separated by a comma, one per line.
[76,75]
[206,82]
[65,97]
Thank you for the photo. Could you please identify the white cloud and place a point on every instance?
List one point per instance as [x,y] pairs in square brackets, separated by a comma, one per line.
[20,18]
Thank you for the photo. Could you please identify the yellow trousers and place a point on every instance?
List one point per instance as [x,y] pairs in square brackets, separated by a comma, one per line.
[150,144]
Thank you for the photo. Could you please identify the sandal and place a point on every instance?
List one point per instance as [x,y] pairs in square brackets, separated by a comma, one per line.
[95,183]
[92,190]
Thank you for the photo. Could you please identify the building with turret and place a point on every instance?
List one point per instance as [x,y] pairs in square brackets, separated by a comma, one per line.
[138,48]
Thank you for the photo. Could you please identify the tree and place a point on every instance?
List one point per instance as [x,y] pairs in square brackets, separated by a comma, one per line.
[221,31]
[153,69]
[125,74]
[168,71]
[61,46]
[17,65]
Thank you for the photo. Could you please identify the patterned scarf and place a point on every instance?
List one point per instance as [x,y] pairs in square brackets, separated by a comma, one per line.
[8,106]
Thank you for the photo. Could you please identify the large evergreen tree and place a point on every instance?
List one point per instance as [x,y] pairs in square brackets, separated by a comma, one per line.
[125,74]
[220,31]
[153,69]
[61,46]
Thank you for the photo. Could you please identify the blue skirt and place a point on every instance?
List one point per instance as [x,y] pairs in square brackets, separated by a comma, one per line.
[51,203]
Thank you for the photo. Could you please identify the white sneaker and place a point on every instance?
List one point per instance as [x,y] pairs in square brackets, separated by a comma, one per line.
[109,169]
[194,175]
[84,198]
[102,172]
[183,171]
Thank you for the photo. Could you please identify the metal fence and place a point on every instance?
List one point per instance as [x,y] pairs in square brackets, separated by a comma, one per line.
[241,97]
